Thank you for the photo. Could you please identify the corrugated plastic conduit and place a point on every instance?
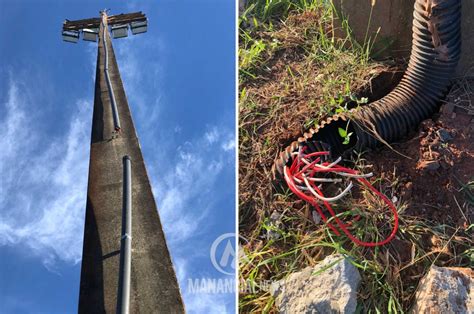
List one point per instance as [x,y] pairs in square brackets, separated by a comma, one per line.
[434,56]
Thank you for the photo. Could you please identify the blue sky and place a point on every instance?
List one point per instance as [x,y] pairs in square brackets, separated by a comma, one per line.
[179,79]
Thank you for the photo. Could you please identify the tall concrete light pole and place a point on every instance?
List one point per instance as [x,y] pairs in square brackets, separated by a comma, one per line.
[120,272]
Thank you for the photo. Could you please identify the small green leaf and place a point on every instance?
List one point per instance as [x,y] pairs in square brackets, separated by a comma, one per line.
[340,100]
[363,100]
[347,139]
[342,132]
[255,22]
[243,93]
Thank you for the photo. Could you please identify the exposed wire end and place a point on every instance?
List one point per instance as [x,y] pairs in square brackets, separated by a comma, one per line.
[300,176]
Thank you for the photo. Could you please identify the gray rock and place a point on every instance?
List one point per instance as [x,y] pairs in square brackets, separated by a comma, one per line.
[444,135]
[329,287]
[432,165]
[275,224]
[445,290]
[316,217]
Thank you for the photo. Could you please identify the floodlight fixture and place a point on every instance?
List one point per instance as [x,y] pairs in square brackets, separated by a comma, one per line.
[119,31]
[90,34]
[139,27]
[71,36]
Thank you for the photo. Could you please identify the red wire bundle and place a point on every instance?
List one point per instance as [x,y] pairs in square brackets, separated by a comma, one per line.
[303,170]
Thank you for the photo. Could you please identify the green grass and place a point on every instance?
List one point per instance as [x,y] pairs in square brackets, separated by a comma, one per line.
[384,288]
[266,11]
[263,34]
[468,190]
[262,17]
[258,18]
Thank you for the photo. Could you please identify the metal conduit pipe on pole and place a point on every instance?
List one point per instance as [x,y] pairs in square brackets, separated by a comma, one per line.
[107,78]
[123,294]
[435,53]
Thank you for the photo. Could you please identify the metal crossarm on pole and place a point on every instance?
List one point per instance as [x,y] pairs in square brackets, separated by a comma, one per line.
[126,18]
[123,295]
[111,20]
[80,24]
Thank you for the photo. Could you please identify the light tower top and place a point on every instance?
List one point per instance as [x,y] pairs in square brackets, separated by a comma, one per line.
[137,22]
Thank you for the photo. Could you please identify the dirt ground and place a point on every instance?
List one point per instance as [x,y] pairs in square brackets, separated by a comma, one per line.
[432,167]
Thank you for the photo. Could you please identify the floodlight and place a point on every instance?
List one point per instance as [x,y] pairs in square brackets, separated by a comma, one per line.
[119,31]
[90,34]
[139,27]
[71,36]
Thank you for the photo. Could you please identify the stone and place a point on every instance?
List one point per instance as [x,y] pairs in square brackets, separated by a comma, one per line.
[445,290]
[329,287]
[316,217]
[444,135]
[275,224]
[432,165]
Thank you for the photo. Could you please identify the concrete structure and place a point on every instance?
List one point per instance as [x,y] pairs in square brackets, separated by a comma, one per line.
[394,18]
[154,287]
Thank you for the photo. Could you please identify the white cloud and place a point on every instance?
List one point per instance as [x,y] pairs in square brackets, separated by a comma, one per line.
[212,136]
[205,303]
[228,145]
[197,302]
[181,268]
[44,181]
[185,193]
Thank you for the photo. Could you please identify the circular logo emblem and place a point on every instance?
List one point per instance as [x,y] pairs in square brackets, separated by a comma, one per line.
[223,253]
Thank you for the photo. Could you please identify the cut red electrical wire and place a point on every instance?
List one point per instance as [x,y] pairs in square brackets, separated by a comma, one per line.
[301,178]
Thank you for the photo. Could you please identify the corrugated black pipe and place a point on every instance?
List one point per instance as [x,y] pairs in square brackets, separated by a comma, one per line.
[435,52]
